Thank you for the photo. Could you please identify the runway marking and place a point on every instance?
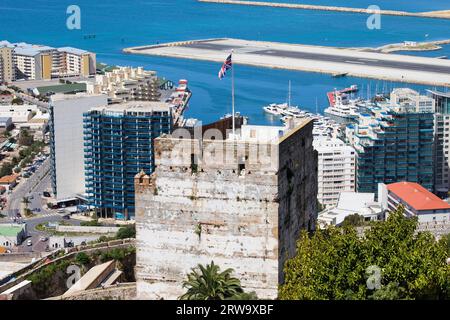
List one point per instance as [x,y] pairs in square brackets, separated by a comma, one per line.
[357,62]
[369,60]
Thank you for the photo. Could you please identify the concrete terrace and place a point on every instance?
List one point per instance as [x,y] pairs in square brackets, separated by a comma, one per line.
[390,67]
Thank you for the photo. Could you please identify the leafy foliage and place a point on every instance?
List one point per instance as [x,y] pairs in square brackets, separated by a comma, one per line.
[333,263]
[126,232]
[25,138]
[82,258]
[355,220]
[6,169]
[117,254]
[18,101]
[91,223]
[208,283]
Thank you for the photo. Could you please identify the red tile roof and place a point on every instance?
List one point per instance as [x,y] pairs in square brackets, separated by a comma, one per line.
[8,179]
[417,196]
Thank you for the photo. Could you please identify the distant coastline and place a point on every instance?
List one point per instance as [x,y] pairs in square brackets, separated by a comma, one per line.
[406,46]
[441,14]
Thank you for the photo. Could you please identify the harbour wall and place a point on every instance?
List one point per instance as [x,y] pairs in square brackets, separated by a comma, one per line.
[434,14]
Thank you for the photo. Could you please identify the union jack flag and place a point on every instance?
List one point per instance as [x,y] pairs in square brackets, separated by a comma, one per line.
[228,64]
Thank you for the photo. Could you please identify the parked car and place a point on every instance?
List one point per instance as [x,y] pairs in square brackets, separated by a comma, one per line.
[43,239]
[29,243]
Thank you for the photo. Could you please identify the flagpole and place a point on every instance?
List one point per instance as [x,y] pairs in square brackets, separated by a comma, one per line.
[232,93]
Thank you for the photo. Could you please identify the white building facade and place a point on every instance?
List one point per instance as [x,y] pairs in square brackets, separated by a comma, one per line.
[66,142]
[336,169]
[351,203]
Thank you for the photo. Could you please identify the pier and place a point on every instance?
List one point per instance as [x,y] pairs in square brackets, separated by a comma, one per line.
[330,60]
[444,14]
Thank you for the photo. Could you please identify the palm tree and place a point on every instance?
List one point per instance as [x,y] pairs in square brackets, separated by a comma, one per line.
[208,283]
[25,201]
[26,210]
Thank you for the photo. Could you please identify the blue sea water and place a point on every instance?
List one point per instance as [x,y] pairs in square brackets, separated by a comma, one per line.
[118,24]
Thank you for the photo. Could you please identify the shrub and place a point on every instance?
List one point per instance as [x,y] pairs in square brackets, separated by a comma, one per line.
[126,232]
[82,258]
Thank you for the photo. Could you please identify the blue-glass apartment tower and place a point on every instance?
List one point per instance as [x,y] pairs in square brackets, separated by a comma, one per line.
[392,145]
[118,143]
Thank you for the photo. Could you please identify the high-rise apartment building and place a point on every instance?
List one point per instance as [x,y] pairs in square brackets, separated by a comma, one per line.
[441,142]
[336,169]
[240,201]
[66,142]
[394,142]
[126,84]
[73,61]
[7,71]
[118,144]
[35,62]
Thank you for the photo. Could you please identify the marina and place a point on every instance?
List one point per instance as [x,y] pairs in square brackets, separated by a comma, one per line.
[322,126]
[330,60]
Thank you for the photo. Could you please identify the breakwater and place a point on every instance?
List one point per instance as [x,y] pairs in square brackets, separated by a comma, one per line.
[433,14]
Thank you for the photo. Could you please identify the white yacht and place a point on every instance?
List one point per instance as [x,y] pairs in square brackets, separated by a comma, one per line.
[275,109]
[283,109]
[342,109]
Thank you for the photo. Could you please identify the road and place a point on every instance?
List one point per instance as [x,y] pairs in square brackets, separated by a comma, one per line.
[37,183]
[44,106]
[35,235]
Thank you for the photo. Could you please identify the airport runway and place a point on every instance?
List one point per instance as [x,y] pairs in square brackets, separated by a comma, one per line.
[383,66]
[330,58]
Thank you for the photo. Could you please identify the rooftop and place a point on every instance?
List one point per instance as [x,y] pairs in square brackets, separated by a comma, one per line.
[439,93]
[356,202]
[10,230]
[31,52]
[79,95]
[8,179]
[62,88]
[417,196]
[134,106]
[350,203]
[72,50]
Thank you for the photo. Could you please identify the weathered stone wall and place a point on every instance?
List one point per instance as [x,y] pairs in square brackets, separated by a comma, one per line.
[189,213]
[120,291]
[297,181]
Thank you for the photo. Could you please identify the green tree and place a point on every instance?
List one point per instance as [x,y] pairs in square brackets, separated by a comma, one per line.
[18,101]
[25,201]
[25,139]
[6,169]
[208,283]
[92,223]
[333,263]
[126,232]
[355,220]
[82,258]
[244,296]
[391,291]
[445,241]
